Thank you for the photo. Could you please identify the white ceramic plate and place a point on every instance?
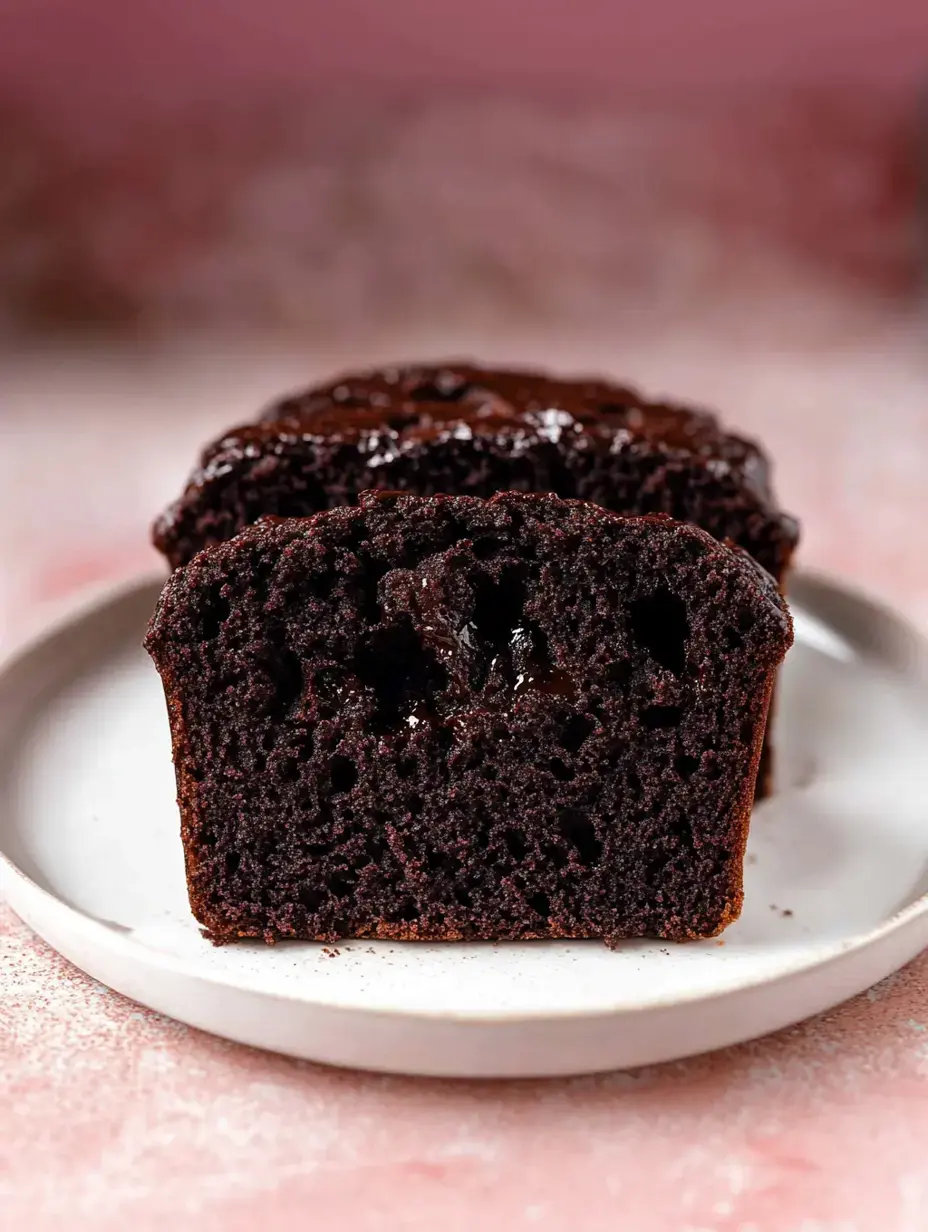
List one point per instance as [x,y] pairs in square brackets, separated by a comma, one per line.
[836,873]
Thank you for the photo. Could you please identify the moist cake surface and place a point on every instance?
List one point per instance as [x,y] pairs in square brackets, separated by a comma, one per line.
[454,718]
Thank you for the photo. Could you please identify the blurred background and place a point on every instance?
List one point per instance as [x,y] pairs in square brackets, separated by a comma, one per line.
[204,205]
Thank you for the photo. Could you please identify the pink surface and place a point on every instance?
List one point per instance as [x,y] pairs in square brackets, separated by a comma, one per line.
[119,1119]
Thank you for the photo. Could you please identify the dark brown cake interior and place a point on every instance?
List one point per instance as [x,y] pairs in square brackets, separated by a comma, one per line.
[452,718]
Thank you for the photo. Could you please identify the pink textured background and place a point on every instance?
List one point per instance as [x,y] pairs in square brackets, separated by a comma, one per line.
[168,50]
[583,237]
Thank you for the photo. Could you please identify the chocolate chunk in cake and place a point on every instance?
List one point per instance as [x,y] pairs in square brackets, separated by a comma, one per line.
[450,718]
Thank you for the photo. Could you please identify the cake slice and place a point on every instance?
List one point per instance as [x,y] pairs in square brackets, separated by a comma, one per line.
[467,430]
[447,718]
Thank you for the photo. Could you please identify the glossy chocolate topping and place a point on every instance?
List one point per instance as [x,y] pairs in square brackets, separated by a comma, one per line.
[391,418]
[417,404]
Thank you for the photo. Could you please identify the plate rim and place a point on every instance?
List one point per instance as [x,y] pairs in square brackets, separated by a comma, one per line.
[57,618]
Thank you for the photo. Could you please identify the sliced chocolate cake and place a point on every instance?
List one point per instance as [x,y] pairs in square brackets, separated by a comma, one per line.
[466,430]
[453,718]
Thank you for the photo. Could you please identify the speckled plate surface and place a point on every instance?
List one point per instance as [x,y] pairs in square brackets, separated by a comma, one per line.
[835,881]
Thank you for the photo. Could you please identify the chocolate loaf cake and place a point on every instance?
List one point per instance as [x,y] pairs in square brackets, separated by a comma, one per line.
[447,718]
[466,430]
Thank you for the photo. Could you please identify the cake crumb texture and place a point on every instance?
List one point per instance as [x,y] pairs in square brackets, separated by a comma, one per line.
[450,718]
